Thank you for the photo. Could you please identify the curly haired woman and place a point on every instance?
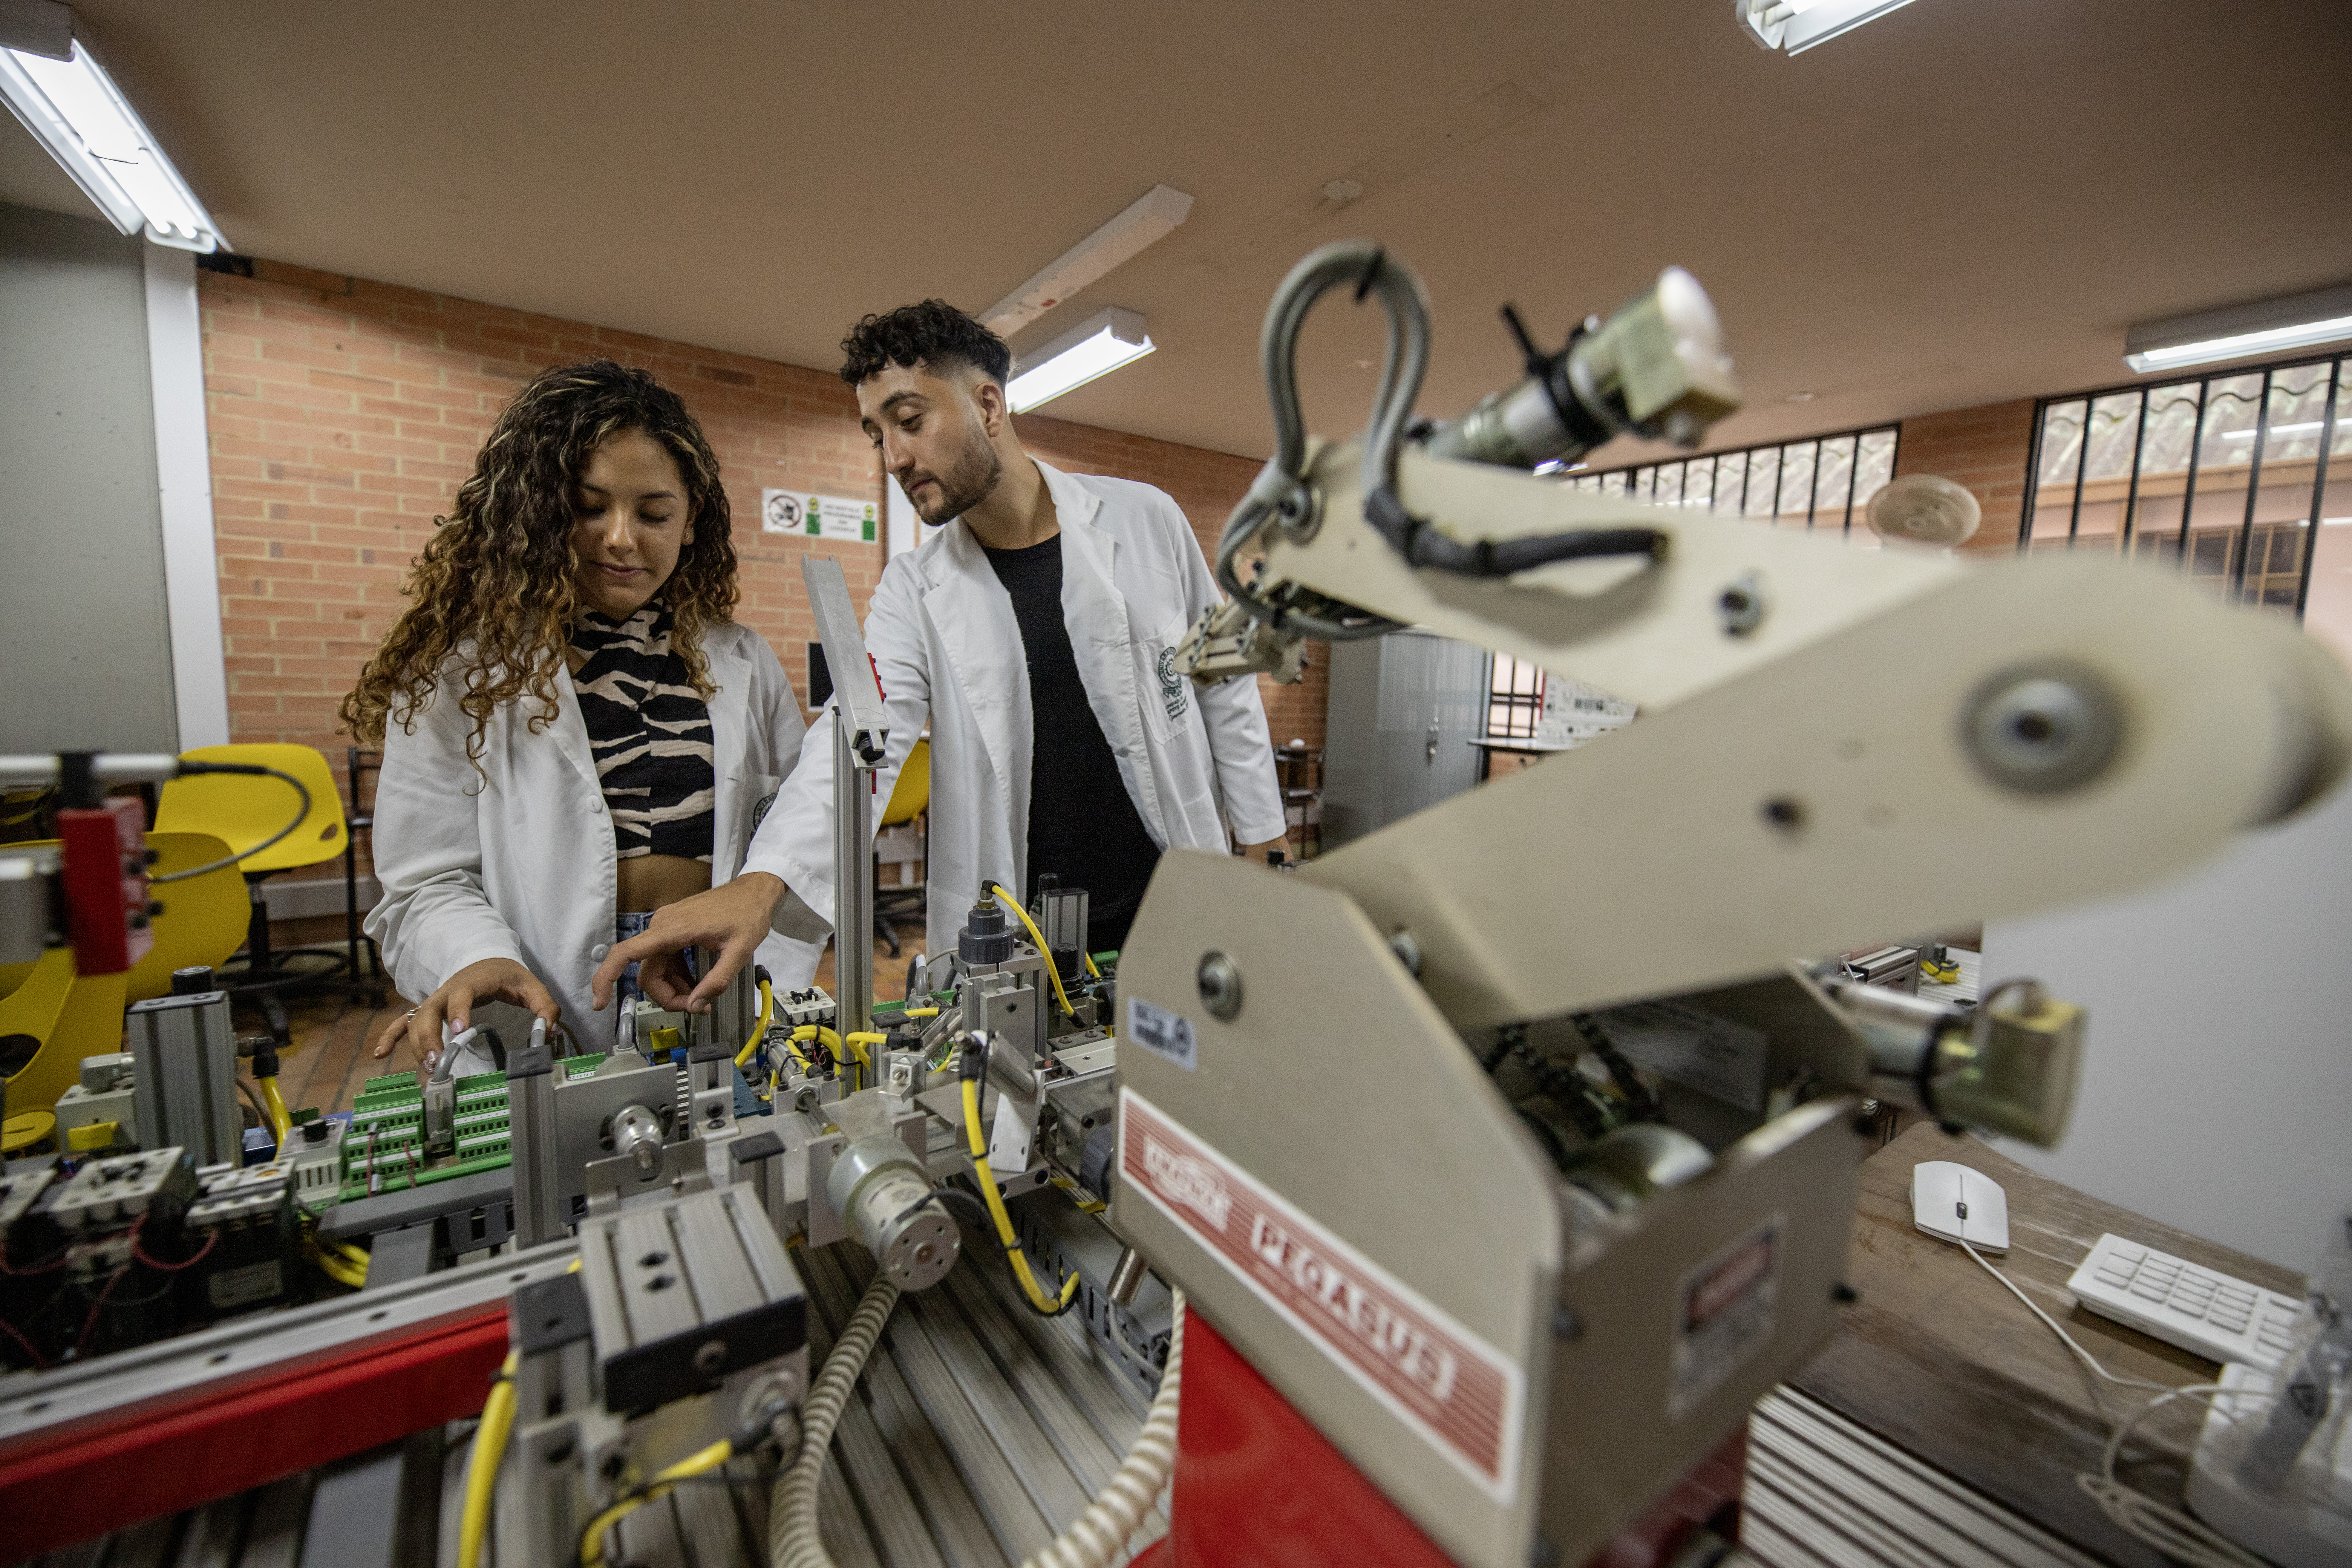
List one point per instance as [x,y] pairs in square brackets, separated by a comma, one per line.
[574,731]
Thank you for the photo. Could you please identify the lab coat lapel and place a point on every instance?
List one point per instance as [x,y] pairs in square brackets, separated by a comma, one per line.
[973,619]
[1100,637]
[729,720]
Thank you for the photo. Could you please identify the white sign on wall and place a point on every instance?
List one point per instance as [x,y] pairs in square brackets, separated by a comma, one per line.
[819,517]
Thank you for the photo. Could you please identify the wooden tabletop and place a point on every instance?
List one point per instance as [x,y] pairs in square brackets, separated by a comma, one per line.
[1939,1360]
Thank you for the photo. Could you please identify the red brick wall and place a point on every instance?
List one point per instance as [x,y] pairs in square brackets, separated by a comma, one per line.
[343,413]
[1984,448]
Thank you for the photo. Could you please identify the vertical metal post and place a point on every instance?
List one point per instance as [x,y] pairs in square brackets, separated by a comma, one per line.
[2082,470]
[2196,457]
[2319,486]
[2032,479]
[853,858]
[2253,489]
[2131,497]
[1853,482]
[861,735]
[1813,487]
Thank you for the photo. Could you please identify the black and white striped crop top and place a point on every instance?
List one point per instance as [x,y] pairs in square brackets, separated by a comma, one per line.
[650,733]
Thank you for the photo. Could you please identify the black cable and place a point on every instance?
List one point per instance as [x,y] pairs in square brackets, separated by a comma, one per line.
[188,769]
[1637,1094]
[1422,545]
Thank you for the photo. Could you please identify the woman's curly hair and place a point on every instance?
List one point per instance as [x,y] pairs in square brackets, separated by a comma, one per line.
[493,587]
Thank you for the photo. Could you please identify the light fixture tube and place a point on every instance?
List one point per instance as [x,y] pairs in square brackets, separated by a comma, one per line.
[72,107]
[1797,25]
[2268,326]
[1101,344]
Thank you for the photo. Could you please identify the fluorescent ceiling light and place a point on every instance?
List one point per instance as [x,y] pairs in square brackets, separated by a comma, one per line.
[1101,344]
[1797,25]
[2270,326]
[1150,217]
[70,103]
[2282,429]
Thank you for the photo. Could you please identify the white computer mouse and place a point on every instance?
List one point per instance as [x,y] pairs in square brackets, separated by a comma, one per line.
[1956,1204]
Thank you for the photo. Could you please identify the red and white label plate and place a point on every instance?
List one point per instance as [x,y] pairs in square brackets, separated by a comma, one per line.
[1459,1392]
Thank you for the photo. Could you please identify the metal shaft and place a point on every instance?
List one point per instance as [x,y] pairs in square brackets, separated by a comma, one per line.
[852,881]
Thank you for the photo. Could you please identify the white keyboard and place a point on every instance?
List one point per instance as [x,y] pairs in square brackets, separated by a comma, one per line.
[2218,1317]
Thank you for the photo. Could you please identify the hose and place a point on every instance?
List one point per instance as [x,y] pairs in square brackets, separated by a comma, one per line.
[759,1030]
[490,1449]
[1280,486]
[188,770]
[281,1121]
[975,1061]
[1052,969]
[1100,1533]
[792,1509]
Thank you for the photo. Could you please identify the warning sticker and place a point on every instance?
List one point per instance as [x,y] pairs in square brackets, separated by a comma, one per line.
[1162,1032]
[1723,1314]
[1459,1392]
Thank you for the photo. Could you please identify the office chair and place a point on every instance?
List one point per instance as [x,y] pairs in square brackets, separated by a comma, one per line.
[909,798]
[243,811]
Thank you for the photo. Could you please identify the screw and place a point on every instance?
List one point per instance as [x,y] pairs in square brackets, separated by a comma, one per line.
[1784,812]
[1408,951]
[1221,986]
[1566,1324]
[1844,1294]
[1740,605]
[561,1453]
[709,1356]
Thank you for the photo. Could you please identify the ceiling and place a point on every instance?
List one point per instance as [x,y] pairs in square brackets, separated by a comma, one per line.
[1966,201]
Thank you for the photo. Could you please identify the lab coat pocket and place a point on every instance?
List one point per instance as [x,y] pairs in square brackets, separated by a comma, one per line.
[1165,693]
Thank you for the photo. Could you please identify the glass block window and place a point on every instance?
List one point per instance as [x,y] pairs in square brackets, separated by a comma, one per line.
[1822,482]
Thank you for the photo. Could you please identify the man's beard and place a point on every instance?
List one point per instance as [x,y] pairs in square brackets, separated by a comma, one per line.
[972,480]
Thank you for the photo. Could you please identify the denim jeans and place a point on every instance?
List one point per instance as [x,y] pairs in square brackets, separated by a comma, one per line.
[633,924]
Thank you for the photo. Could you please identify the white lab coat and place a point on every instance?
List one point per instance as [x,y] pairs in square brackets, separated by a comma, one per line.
[941,631]
[521,864]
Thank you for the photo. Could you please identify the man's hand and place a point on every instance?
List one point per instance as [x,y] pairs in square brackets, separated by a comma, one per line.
[491,980]
[733,918]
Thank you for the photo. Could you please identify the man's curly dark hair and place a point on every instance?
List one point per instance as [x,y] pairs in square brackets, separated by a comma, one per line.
[933,336]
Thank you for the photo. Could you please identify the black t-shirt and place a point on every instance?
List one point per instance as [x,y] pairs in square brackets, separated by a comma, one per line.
[1083,826]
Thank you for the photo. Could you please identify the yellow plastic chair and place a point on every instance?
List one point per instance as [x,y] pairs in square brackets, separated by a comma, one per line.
[68,1015]
[243,811]
[909,798]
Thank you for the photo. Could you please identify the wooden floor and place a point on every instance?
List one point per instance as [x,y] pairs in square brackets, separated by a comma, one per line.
[332,1030]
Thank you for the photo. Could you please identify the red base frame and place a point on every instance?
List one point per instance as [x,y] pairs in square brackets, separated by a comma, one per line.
[1256,1484]
[213,1442]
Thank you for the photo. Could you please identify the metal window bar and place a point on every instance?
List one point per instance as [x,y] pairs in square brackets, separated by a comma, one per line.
[2318,487]
[2236,572]
[2253,487]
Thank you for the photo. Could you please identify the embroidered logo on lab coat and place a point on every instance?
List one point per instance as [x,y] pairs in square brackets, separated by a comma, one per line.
[1172,696]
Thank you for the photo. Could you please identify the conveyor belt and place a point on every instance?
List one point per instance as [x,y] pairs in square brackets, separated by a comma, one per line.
[979,1429]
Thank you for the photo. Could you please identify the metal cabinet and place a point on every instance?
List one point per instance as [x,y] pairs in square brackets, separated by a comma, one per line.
[1403,711]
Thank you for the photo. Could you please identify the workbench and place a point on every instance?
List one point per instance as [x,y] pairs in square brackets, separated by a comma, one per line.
[1940,1361]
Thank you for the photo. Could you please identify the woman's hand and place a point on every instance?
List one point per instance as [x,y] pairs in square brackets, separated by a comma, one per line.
[491,980]
[732,919]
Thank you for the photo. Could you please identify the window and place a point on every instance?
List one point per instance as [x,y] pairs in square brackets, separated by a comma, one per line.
[1515,691]
[1823,483]
[2220,474]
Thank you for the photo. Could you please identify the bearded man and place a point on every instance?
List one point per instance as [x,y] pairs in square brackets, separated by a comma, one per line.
[1034,636]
